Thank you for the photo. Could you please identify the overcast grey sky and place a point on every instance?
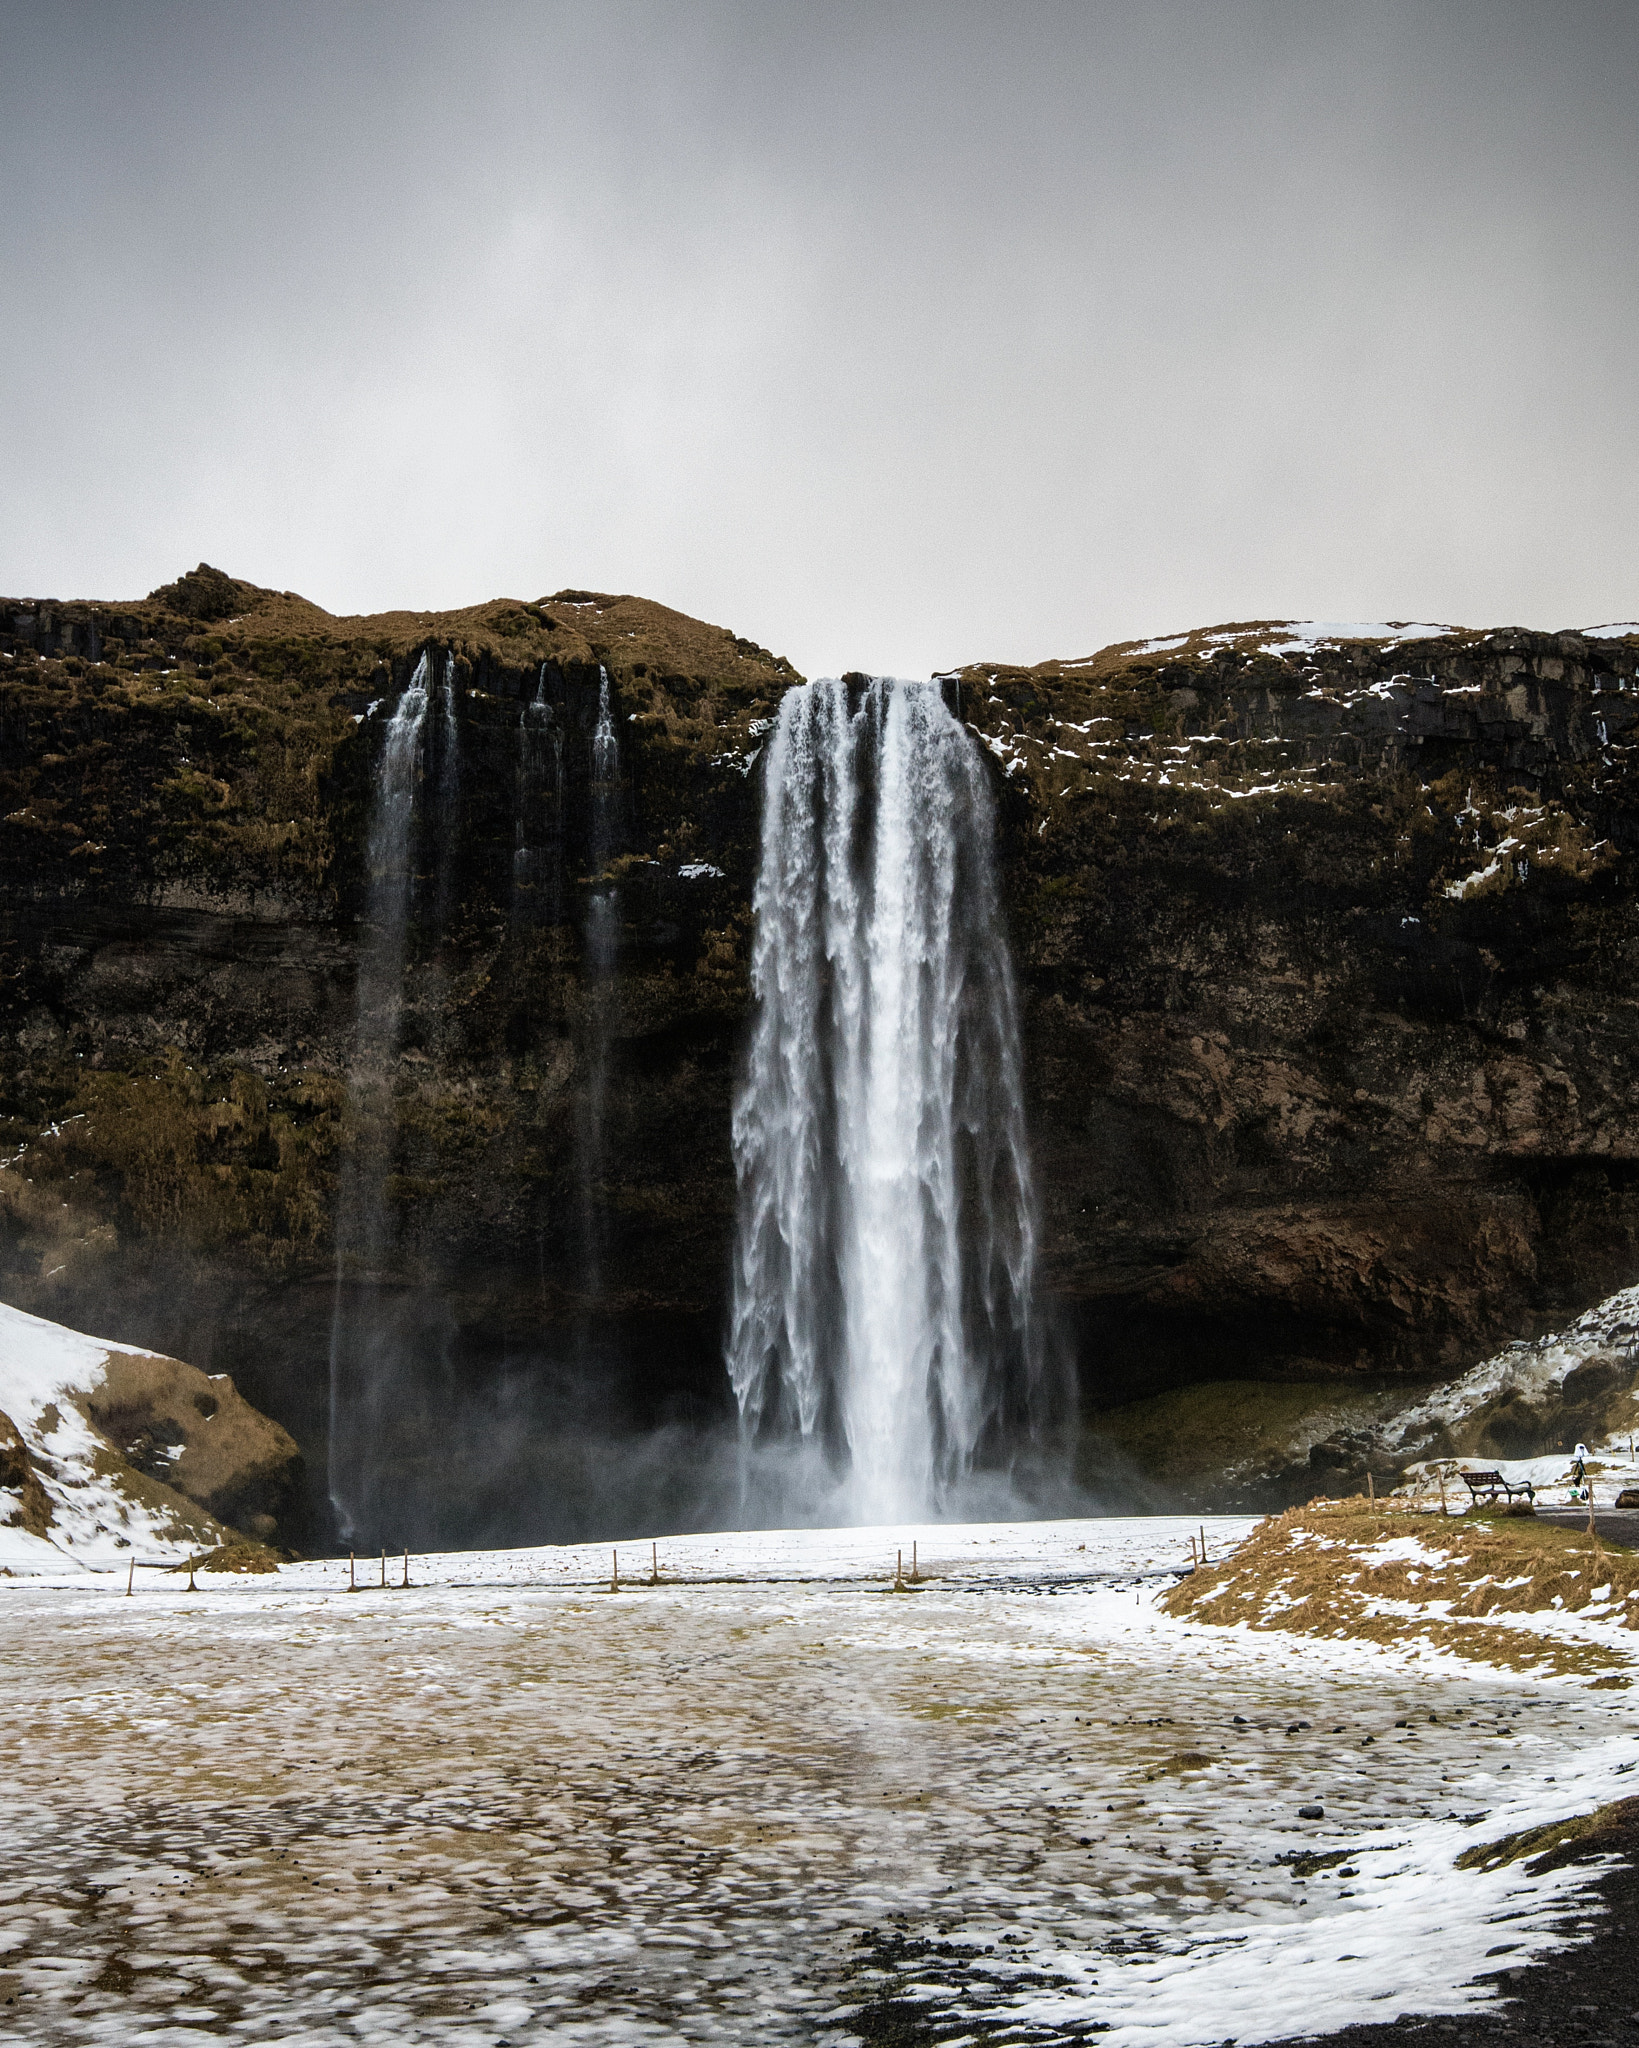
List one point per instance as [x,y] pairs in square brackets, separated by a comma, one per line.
[893,335]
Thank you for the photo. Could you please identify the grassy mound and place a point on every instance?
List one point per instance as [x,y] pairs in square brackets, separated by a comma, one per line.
[232,1557]
[1467,1584]
[1607,1831]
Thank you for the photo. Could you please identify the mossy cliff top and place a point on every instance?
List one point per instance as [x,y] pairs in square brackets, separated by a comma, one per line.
[195,747]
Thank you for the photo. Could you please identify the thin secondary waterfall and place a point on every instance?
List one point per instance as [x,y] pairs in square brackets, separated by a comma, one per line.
[602,932]
[362,1227]
[537,830]
[603,912]
[447,810]
[884,1267]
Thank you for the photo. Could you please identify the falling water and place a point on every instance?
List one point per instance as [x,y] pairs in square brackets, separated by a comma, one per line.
[882,1313]
[390,878]
[362,1230]
[538,832]
[447,811]
[602,932]
[603,913]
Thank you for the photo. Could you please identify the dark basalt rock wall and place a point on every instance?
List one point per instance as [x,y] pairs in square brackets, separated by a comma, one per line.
[1330,956]
[1327,957]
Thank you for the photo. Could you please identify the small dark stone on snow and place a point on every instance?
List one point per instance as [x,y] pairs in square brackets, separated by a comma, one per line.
[1311,1813]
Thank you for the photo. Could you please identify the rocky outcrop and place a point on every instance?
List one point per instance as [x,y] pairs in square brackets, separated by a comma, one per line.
[198,1434]
[1325,946]
[109,1456]
[25,1504]
[1248,1445]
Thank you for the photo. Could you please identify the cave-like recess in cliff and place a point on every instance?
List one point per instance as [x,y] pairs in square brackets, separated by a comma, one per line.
[1325,950]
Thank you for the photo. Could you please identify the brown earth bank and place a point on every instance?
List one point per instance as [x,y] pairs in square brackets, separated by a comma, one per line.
[1326,955]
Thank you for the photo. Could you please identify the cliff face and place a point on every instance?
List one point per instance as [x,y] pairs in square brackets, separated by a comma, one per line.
[1330,953]
[1325,948]
[182,853]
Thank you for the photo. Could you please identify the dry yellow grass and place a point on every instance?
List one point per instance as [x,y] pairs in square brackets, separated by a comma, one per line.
[1356,1571]
[1607,1831]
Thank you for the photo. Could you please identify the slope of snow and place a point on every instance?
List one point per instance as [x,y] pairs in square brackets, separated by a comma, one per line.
[42,1363]
[97,1523]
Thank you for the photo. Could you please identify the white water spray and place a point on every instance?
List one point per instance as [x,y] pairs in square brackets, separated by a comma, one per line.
[886,1245]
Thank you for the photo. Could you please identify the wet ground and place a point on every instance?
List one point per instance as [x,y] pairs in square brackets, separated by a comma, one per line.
[531,1810]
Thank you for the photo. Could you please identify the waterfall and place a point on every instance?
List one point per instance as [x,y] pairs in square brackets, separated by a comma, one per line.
[536,846]
[447,811]
[362,1228]
[389,872]
[882,1313]
[602,932]
[603,912]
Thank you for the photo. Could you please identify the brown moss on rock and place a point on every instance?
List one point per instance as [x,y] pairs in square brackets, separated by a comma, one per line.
[242,1558]
[179,1520]
[32,1510]
[197,1433]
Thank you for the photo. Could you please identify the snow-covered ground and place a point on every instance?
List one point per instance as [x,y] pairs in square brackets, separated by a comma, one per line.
[507,1805]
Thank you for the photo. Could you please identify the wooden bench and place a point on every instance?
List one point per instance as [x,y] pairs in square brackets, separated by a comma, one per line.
[1487,1485]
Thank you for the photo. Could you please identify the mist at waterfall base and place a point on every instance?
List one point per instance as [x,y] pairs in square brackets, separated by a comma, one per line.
[884,1356]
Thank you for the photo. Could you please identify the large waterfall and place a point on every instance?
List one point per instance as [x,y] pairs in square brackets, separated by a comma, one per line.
[389,864]
[883,1330]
